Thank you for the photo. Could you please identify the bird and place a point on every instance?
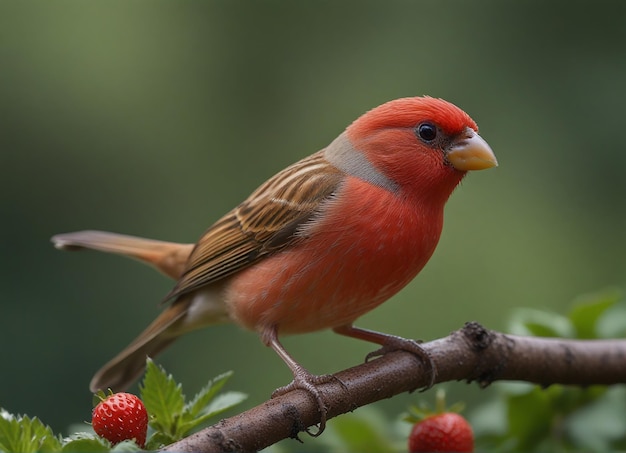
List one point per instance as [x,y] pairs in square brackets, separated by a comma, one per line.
[316,246]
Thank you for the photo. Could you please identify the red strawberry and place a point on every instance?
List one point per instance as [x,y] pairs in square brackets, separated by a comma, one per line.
[119,417]
[446,432]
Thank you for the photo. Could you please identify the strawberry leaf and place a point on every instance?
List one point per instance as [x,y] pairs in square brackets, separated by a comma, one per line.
[612,323]
[26,435]
[528,321]
[158,440]
[588,309]
[423,411]
[127,445]
[363,431]
[598,425]
[204,396]
[220,404]
[170,417]
[99,396]
[163,399]
[79,444]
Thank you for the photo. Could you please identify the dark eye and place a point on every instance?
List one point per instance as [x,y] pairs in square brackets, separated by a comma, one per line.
[427,132]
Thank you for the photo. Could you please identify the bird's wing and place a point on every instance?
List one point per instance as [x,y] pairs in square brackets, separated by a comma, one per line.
[265,223]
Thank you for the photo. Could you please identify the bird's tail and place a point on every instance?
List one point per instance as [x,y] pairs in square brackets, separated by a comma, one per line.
[121,371]
[167,257]
[189,312]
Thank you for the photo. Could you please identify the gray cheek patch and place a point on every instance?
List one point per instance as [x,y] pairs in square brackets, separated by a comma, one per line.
[346,158]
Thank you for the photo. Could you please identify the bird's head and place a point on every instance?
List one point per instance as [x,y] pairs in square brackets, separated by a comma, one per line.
[417,145]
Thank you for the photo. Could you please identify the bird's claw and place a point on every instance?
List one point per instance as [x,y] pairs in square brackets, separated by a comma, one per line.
[309,382]
[412,346]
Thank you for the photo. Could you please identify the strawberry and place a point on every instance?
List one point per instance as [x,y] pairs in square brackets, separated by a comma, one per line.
[119,417]
[446,432]
[443,430]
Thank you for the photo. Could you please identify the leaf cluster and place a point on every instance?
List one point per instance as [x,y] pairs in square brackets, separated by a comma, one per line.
[171,418]
[528,418]
[29,435]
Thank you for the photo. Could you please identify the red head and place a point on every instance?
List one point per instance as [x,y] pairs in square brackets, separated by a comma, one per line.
[422,144]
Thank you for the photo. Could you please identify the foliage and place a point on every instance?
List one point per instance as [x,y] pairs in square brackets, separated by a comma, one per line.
[528,418]
[518,418]
[26,434]
[171,418]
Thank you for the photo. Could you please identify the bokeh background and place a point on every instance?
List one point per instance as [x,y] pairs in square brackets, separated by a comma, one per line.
[155,118]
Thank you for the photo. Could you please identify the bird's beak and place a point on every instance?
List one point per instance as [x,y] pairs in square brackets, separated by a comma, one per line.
[471,152]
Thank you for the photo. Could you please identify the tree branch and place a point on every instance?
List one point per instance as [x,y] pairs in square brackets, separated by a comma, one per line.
[472,353]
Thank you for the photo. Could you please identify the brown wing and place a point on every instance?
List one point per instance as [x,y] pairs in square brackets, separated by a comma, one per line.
[263,224]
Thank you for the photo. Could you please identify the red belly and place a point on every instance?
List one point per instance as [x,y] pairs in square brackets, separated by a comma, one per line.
[345,266]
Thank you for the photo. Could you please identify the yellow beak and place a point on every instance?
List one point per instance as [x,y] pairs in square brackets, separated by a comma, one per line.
[471,152]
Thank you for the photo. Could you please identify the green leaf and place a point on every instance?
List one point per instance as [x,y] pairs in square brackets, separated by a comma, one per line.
[220,404]
[204,396]
[597,425]
[127,445]
[418,413]
[26,435]
[489,419]
[163,399]
[158,440]
[363,431]
[612,323]
[99,396]
[529,418]
[528,321]
[170,417]
[81,445]
[588,309]
[224,402]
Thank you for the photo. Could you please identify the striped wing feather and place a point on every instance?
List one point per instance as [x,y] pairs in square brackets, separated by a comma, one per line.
[265,223]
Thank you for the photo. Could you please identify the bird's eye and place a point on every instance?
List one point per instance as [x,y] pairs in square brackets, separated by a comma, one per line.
[427,132]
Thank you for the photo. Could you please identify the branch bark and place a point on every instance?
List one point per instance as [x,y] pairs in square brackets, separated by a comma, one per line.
[472,353]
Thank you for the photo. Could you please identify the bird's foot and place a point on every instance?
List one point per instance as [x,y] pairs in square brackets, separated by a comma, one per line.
[308,382]
[394,343]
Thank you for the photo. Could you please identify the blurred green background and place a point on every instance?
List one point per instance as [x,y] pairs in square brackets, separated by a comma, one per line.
[155,118]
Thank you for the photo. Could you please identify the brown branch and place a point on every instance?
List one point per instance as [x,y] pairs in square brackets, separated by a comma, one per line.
[472,353]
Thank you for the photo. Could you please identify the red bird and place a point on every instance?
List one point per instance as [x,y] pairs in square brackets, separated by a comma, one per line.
[316,246]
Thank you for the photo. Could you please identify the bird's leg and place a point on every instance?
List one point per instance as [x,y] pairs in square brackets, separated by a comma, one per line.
[302,378]
[390,343]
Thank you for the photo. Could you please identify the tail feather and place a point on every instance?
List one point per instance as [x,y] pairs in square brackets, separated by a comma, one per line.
[169,258]
[119,374]
[187,313]
[121,371]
